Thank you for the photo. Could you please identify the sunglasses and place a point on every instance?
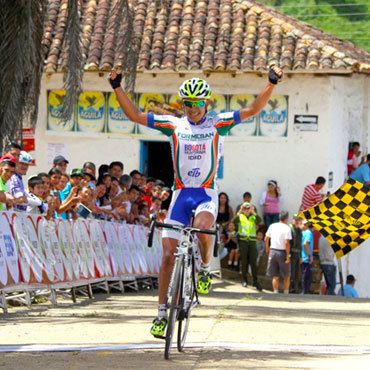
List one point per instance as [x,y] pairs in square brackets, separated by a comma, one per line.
[195,104]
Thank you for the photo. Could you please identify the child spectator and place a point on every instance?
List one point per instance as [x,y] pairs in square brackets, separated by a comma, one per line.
[156,205]
[85,198]
[260,245]
[46,180]
[231,244]
[35,201]
[144,214]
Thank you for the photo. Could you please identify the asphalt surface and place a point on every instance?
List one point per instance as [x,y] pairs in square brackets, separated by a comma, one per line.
[234,327]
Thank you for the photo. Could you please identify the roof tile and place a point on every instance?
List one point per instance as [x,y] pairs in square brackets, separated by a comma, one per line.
[211,35]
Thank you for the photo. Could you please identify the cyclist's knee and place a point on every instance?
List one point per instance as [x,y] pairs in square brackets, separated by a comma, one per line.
[169,248]
[168,258]
[204,220]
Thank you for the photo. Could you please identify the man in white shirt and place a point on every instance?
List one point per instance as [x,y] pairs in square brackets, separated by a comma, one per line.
[280,235]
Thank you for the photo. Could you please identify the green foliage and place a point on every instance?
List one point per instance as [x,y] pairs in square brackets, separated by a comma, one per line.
[345,19]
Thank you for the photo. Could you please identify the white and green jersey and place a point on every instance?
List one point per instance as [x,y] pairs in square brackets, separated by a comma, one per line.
[196,148]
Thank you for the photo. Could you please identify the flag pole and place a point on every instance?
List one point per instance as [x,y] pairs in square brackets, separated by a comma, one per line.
[340,276]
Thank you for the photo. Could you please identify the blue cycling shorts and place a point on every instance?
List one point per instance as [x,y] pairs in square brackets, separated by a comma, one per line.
[186,201]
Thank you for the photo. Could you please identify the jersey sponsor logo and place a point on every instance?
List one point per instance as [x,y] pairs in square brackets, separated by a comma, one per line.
[184,136]
[195,148]
[194,172]
[194,157]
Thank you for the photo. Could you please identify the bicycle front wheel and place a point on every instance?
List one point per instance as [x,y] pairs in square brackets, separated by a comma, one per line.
[187,283]
[175,303]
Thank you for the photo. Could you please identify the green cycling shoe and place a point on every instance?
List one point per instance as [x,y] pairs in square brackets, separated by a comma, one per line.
[159,326]
[204,282]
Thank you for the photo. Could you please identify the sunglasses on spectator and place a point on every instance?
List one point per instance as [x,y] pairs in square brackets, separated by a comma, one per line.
[194,104]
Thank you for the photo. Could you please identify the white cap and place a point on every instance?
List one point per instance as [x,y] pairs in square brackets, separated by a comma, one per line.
[25,157]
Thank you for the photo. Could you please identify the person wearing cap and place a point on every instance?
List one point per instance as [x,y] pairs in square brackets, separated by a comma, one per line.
[270,201]
[60,163]
[88,179]
[7,170]
[295,251]
[307,256]
[349,289]
[280,235]
[16,186]
[247,220]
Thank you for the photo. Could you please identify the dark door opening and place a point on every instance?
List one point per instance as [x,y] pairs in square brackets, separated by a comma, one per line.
[156,161]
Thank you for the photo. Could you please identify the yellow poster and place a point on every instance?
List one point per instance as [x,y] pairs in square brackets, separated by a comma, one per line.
[55,106]
[217,104]
[91,110]
[117,119]
[150,103]
[274,117]
[249,126]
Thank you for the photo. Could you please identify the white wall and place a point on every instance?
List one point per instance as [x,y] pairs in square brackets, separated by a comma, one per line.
[341,102]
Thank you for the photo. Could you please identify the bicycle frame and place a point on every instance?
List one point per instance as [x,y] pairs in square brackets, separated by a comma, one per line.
[183,273]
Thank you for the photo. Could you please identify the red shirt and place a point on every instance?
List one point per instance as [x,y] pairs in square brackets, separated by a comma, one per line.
[311,196]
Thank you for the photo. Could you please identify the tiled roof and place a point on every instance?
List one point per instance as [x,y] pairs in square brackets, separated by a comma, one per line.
[207,35]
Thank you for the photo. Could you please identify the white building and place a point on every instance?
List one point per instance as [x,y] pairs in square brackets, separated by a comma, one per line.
[320,107]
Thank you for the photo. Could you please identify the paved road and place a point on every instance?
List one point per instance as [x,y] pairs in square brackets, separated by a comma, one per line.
[239,327]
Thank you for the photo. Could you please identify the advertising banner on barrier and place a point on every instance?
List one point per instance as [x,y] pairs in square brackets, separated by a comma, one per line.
[36,252]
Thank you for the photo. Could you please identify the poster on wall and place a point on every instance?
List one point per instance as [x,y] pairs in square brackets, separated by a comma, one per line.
[217,104]
[249,126]
[28,142]
[91,111]
[274,117]
[150,103]
[54,149]
[117,119]
[55,106]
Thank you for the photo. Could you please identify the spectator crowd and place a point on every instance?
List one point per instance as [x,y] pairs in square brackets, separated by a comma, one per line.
[107,193]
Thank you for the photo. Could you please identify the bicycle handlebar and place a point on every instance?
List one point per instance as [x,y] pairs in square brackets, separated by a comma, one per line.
[154,223]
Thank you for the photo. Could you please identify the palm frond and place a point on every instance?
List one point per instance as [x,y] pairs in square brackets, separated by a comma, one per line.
[74,65]
[21,58]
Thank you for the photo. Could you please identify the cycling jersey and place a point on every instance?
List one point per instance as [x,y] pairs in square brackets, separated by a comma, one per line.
[196,148]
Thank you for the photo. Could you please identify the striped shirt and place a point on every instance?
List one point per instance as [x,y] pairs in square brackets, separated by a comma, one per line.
[311,196]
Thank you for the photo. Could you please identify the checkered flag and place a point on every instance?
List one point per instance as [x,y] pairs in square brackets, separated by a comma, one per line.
[344,217]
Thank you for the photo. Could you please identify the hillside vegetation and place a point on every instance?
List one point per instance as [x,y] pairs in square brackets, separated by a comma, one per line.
[346,19]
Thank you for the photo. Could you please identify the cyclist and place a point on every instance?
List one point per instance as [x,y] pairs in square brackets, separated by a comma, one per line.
[196,143]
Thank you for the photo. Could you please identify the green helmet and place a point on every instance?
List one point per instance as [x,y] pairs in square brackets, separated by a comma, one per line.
[195,88]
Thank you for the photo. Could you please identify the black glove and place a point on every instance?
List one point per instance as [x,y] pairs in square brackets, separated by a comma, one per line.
[116,82]
[274,77]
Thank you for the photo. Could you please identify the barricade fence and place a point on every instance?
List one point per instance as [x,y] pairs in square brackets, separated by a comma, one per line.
[36,253]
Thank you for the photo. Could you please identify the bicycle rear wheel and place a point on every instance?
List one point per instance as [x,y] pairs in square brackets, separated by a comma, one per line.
[175,304]
[187,305]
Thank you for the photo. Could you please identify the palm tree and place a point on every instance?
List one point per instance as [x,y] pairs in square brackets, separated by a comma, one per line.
[22,57]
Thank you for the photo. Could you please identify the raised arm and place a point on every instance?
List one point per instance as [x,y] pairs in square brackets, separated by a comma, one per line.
[130,109]
[275,75]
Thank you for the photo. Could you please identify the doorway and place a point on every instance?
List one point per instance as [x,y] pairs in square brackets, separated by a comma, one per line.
[156,161]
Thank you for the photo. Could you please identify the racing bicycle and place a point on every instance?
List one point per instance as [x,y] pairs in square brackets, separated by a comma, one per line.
[182,294]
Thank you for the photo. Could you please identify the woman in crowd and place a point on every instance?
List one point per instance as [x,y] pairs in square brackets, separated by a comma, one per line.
[225,212]
[270,201]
